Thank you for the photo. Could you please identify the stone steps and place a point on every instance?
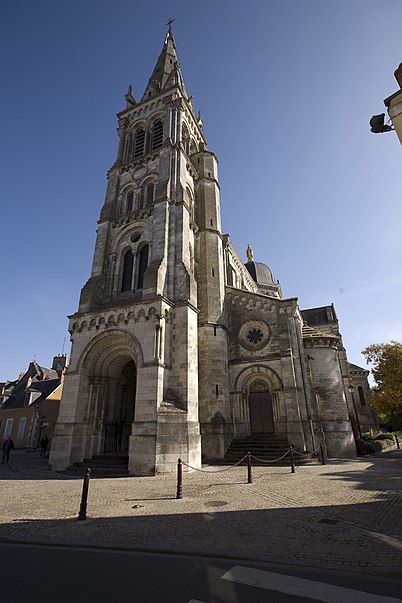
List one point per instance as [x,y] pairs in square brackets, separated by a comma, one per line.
[266,447]
[101,466]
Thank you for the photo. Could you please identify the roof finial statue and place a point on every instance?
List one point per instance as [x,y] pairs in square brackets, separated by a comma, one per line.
[249,253]
[169,24]
[129,97]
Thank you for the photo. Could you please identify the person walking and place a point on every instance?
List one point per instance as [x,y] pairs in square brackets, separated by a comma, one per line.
[8,445]
[44,443]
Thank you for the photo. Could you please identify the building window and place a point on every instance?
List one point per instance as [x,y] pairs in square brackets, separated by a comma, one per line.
[130,200]
[139,142]
[128,148]
[185,139]
[157,135]
[127,271]
[8,428]
[361,395]
[21,429]
[142,266]
[149,194]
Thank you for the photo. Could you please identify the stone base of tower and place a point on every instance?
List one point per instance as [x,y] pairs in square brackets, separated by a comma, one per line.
[216,439]
[155,447]
[68,445]
[339,439]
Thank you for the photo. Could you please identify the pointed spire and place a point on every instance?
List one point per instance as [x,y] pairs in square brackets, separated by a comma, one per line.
[167,69]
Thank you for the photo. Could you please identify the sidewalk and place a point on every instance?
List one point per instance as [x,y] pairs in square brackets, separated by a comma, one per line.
[344,515]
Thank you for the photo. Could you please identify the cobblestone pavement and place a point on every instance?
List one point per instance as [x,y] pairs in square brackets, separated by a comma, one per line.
[346,514]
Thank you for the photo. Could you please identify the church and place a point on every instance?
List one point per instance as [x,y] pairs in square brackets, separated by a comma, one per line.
[179,348]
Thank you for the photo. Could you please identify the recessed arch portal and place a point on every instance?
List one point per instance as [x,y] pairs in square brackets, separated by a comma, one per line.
[109,371]
[120,407]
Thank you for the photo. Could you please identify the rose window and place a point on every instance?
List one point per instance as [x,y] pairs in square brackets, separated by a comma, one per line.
[255,336]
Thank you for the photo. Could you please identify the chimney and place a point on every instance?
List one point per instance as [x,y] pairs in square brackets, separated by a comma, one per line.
[60,364]
[398,75]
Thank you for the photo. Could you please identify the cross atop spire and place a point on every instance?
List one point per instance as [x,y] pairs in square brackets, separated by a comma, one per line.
[167,69]
[169,24]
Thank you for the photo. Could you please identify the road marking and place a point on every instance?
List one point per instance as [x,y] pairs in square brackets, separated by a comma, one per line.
[290,585]
[394,542]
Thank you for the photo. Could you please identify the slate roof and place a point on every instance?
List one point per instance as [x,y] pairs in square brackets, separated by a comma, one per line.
[356,368]
[40,379]
[319,316]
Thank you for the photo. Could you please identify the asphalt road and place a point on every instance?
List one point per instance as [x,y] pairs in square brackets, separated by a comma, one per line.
[42,574]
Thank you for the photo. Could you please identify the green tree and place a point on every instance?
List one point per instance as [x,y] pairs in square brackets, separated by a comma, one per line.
[386,395]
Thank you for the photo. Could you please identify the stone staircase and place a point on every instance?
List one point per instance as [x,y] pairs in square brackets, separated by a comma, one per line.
[101,466]
[266,447]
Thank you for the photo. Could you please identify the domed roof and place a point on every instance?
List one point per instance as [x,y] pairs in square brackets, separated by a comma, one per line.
[261,273]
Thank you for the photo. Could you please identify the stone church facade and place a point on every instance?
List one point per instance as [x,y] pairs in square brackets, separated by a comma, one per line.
[178,347]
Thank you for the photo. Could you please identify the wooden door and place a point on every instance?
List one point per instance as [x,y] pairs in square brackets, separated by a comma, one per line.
[261,414]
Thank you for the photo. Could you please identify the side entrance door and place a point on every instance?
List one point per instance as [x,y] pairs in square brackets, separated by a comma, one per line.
[261,414]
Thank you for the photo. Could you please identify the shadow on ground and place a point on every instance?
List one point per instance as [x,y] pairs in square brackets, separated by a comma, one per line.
[308,536]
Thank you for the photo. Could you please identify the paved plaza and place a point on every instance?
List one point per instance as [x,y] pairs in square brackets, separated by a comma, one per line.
[344,515]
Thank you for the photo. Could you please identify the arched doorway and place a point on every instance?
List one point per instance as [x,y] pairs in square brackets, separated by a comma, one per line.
[260,406]
[120,410]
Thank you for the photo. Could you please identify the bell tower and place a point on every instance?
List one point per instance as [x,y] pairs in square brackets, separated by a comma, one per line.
[133,382]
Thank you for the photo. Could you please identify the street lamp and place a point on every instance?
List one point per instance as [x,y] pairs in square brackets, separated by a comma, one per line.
[351,390]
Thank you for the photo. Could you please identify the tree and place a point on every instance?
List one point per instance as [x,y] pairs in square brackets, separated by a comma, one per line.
[386,396]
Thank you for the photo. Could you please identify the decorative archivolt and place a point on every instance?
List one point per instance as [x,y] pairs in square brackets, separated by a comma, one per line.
[142,227]
[257,372]
[108,351]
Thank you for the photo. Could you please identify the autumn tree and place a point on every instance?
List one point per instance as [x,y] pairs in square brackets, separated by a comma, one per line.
[386,396]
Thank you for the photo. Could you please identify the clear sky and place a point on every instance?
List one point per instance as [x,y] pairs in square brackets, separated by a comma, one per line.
[286,90]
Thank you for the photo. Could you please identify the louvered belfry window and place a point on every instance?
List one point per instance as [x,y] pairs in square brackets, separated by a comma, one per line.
[157,135]
[139,143]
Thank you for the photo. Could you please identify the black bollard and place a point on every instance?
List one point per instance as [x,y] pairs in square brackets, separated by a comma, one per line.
[84,498]
[397,442]
[249,475]
[322,454]
[292,460]
[179,493]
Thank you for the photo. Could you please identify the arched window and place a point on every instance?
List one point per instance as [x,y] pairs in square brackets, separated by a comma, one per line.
[142,266]
[193,147]
[139,142]
[188,197]
[185,139]
[128,148]
[361,395]
[127,271]
[157,135]
[130,200]
[149,193]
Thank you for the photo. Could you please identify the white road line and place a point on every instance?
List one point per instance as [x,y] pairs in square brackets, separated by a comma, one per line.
[290,585]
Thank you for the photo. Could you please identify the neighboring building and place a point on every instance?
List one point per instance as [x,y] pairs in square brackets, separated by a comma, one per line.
[361,392]
[394,105]
[178,347]
[29,406]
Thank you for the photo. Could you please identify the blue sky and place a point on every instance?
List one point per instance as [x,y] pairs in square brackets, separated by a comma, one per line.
[286,90]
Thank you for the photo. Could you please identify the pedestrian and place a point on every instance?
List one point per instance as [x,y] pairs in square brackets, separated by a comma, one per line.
[44,443]
[8,445]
